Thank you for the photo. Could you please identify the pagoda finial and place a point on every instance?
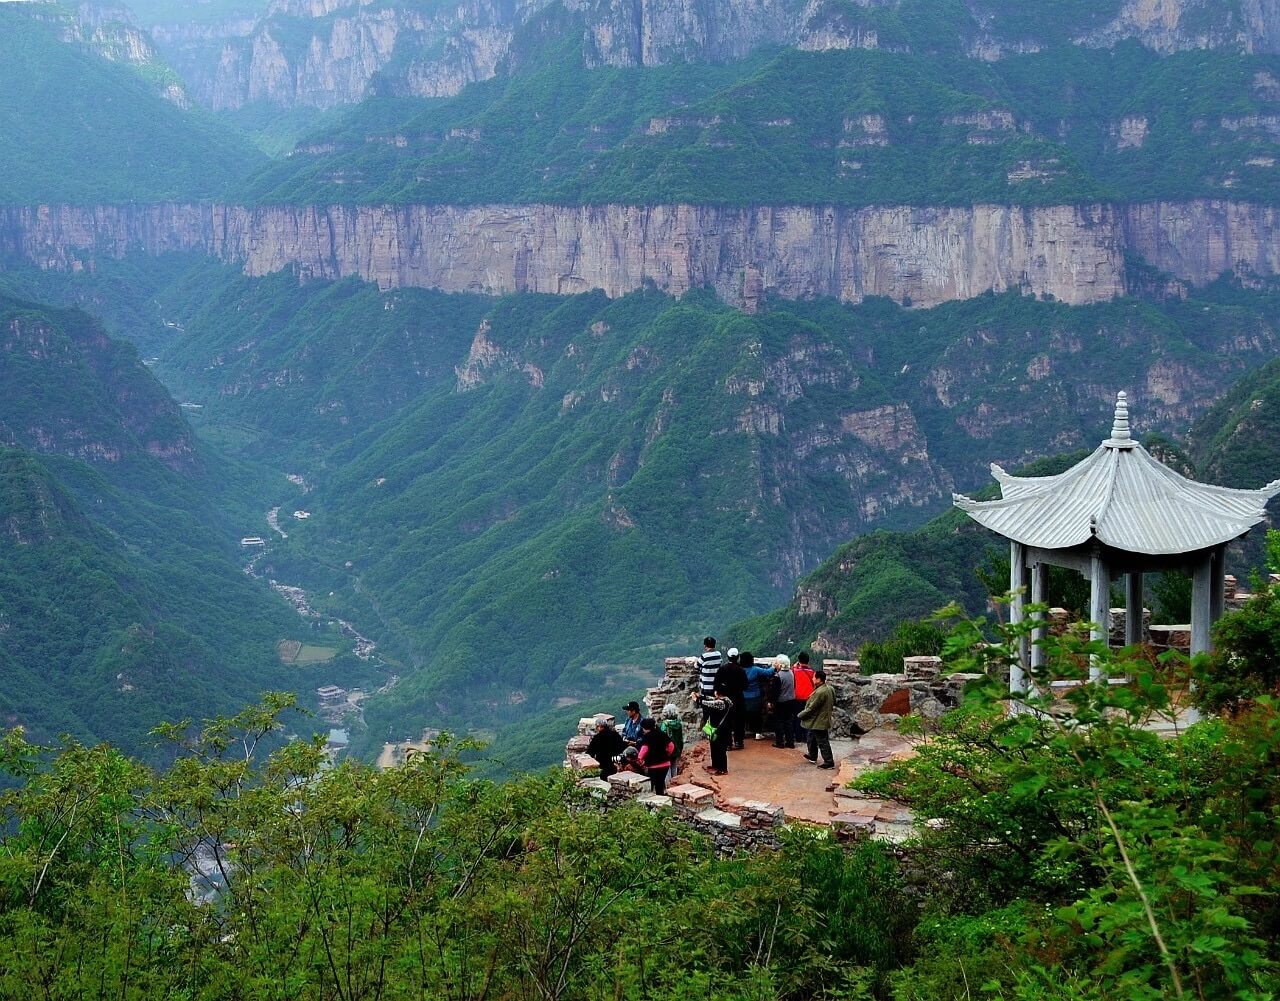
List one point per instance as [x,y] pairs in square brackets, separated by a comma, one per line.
[1120,437]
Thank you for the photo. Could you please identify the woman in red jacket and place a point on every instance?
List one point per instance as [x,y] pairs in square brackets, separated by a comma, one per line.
[656,754]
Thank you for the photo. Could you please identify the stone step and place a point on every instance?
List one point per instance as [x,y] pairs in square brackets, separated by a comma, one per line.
[691,795]
[712,815]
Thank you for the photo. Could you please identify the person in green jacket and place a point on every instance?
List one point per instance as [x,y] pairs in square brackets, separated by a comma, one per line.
[816,717]
[674,729]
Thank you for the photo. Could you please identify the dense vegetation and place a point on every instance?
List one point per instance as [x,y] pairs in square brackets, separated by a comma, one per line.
[867,598]
[122,597]
[77,128]
[1068,855]
[623,475]
[851,127]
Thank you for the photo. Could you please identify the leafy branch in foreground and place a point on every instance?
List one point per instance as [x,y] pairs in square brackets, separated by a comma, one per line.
[1107,848]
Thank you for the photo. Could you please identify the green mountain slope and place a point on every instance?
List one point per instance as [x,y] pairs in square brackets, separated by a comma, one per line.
[75,127]
[68,388]
[1237,441]
[531,499]
[122,597]
[869,586]
[851,127]
[593,483]
[307,367]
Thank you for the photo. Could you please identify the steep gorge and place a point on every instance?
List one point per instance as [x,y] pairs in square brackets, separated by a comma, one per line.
[920,256]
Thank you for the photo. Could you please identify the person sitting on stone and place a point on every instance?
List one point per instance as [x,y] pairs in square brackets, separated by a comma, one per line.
[631,725]
[630,759]
[656,752]
[606,743]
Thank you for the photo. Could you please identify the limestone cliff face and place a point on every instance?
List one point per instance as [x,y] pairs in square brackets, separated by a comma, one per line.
[655,32]
[1175,25]
[1199,240]
[923,256]
[322,53]
[109,30]
[920,256]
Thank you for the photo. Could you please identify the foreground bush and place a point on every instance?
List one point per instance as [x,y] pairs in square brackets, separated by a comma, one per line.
[1071,854]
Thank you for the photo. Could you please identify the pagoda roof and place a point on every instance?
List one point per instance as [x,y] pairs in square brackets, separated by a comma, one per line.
[1122,496]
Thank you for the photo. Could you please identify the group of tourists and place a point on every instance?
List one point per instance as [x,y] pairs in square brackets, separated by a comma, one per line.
[642,744]
[736,696]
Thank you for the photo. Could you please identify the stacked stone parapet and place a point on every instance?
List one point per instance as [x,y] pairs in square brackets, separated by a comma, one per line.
[1165,638]
[873,700]
[679,682]
[627,786]
[735,827]
[1117,624]
[869,700]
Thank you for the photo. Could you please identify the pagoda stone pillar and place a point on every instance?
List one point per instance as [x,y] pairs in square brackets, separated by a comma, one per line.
[1039,592]
[1217,584]
[1099,608]
[1133,609]
[1201,605]
[1017,613]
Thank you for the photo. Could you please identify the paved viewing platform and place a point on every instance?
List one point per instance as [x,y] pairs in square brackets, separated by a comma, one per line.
[806,792]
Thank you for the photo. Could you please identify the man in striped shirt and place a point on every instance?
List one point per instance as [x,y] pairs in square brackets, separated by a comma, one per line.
[708,664]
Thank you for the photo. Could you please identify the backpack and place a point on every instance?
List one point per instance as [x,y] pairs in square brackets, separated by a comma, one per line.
[674,730]
[804,681]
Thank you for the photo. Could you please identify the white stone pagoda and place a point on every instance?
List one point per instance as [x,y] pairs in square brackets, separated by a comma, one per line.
[1118,513]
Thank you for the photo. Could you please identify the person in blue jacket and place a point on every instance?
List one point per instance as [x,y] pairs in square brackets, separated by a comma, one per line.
[753,695]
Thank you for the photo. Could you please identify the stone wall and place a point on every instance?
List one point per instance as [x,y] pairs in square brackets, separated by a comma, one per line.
[872,700]
[740,825]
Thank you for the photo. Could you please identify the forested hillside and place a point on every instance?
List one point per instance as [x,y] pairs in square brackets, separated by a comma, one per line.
[529,498]
[869,587]
[123,599]
[80,128]
[563,489]
[849,127]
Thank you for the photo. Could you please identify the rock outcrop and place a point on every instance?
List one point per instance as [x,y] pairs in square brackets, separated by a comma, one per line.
[918,256]
[1176,25]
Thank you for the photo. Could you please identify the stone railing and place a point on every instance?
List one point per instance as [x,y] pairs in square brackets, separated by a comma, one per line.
[872,700]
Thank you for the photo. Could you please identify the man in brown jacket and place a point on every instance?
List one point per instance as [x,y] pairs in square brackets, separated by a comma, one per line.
[816,717]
